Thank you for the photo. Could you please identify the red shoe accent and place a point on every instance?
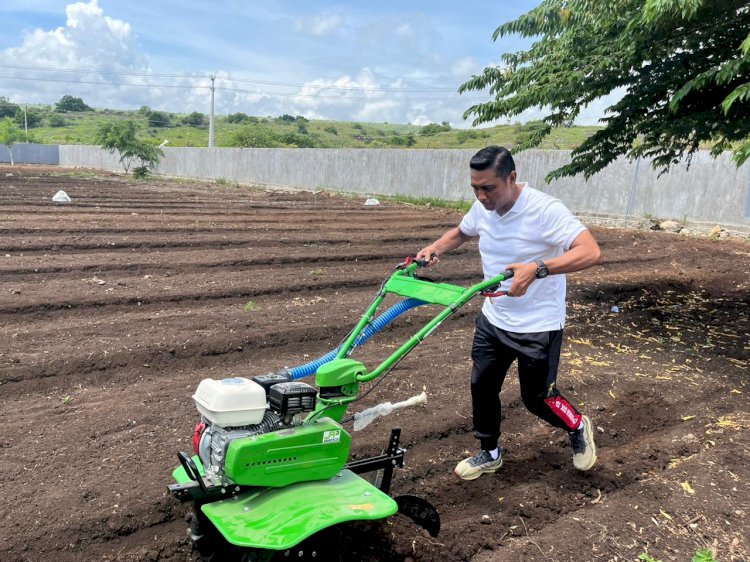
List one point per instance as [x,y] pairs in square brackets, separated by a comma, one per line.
[564,411]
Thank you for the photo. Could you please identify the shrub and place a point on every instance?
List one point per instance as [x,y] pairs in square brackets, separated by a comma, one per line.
[196,118]
[158,119]
[57,120]
[9,135]
[407,140]
[33,117]
[463,136]
[254,137]
[435,128]
[121,137]
[300,141]
[69,103]
[7,108]
[238,117]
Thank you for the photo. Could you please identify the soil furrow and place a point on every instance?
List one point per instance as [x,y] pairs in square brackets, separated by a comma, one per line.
[114,308]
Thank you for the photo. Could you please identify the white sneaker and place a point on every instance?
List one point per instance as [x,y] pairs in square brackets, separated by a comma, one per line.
[584,448]
[481,463]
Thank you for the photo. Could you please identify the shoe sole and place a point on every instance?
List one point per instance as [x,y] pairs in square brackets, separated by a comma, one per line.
[590,438]
[476,475]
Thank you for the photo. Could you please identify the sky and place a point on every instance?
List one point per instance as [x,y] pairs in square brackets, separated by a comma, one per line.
[385,61]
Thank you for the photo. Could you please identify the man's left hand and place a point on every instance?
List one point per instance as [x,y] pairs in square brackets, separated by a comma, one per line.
[524,274]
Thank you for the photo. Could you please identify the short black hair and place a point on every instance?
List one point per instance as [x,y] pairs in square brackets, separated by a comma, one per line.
[494,158]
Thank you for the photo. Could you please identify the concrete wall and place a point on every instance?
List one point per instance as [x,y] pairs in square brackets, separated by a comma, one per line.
[712,190]
[31,154]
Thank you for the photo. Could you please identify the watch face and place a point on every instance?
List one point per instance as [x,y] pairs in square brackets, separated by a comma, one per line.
[541,269]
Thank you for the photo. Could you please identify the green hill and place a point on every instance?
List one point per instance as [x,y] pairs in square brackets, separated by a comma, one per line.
[52,127]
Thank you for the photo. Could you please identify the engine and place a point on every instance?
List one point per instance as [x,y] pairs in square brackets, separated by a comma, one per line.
[238,408]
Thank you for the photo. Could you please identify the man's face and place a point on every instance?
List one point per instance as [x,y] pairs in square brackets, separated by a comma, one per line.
[494,193]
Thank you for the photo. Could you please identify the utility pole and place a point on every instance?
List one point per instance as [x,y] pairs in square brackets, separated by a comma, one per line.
[25,124]
[211,116]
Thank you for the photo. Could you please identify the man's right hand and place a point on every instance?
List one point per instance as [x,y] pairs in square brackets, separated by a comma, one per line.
[428,254]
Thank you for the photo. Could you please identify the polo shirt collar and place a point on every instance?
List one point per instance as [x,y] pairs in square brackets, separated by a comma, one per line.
[520,203]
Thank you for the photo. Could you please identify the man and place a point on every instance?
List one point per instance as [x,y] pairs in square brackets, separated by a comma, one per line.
[538,238]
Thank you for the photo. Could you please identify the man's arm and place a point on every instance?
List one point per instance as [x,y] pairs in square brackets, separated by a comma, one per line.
[447,242]
[584,252]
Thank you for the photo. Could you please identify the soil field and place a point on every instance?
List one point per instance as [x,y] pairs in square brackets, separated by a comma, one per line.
[114,307]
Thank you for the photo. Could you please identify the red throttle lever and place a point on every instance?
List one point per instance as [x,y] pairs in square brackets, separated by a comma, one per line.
[410,260]
[493,291]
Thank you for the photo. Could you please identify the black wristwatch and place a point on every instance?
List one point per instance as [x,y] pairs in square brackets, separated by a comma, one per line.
[541,269]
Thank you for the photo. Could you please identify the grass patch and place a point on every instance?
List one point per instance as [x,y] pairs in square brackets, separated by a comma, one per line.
[428,202]
[289,131]
[249,306]
[80,175]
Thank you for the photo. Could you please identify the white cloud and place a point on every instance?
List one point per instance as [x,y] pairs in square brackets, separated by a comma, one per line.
[383,64]
[325,24]
[463,68]
[89,41]
[405,30]
[381,111]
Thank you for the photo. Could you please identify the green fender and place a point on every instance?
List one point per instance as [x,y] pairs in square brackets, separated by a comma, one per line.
[280,518]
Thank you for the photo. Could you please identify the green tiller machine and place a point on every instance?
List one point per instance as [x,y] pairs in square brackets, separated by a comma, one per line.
[270,478]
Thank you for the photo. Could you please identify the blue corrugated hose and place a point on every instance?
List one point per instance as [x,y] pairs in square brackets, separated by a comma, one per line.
[370,330]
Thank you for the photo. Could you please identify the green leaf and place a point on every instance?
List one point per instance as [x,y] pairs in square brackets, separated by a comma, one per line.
[740,93]
[703,556]
[674,64]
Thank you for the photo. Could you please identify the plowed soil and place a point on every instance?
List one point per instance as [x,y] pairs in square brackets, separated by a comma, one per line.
[114,307]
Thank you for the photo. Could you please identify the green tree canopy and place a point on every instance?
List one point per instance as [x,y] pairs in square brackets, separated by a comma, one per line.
[7,107]
[196,118]
[69,103]
[158,119]
[435,128]
[10,134]
[32,118]
[121,137]
[683,67]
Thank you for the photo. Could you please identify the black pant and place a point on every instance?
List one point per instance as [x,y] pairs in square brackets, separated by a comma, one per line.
[538,357]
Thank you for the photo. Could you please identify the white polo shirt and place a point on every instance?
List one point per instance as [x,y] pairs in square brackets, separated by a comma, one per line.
[537,227]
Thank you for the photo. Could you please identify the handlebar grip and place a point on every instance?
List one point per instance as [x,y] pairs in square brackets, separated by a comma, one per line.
[508,273]
[423,262]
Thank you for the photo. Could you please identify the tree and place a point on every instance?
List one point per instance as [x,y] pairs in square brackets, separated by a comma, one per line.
[398,140]
[683,65]
[10,134]
[464,136]
[121,137]
[238,117]
[68,103]
[7,107]
[435,128]
[196,118]
[254,137]
[57,120]
[32,118]
[158,119]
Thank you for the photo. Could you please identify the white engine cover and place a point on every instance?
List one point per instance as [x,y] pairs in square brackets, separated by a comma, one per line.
[232,402]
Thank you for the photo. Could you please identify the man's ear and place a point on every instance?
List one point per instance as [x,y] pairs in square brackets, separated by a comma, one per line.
[512,176]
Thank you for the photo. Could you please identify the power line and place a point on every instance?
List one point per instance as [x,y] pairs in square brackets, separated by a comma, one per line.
[241,90]
[103,83]
[244,80]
